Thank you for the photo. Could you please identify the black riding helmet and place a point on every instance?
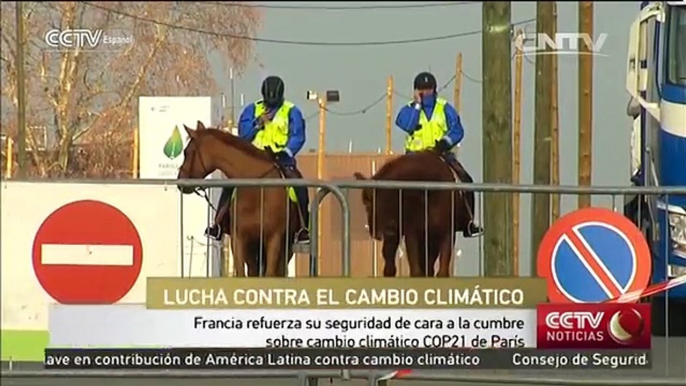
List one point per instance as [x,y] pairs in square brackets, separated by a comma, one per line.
[425,81]
[272,91]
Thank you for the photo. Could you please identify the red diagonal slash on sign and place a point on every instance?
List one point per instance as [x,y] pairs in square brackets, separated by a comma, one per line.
[595,266]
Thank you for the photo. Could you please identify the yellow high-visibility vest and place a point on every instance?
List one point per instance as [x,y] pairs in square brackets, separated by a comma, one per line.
[275,132]
[431,130]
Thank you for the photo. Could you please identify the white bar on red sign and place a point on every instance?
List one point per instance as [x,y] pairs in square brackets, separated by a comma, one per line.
[86,254]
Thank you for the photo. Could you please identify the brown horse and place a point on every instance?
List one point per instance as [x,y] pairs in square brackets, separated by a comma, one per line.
[428,219]
[265,220]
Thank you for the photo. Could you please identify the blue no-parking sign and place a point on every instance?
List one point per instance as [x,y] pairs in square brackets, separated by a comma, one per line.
[593,255]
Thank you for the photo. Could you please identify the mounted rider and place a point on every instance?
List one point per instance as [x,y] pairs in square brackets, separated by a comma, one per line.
[433,123]
[276,124]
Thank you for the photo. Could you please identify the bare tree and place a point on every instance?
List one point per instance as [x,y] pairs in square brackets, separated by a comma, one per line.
[89,94]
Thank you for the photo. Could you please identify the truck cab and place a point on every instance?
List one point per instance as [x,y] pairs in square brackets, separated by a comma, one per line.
[656,82]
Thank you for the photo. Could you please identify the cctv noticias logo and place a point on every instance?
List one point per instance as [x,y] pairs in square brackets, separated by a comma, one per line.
[593,326]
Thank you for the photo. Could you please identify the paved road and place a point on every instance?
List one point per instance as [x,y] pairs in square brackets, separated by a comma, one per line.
[669,363]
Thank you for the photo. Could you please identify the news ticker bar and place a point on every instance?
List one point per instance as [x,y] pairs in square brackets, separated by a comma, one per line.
[320,359]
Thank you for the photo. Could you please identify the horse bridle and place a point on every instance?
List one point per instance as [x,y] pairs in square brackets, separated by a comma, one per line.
[202,191]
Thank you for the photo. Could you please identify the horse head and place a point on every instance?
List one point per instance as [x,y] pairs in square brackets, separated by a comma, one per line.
[195,165]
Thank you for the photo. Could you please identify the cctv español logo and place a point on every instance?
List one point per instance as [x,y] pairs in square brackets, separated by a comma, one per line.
[593,326]
[87,39]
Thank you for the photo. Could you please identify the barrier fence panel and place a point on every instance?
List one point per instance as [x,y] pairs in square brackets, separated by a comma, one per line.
[354,236]
[264,186]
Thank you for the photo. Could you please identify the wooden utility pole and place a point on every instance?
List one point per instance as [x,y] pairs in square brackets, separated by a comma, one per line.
[516,148]
[320,164]
[555,130]
[497,135]
[457,90]
[135,153]
[389,115]
[457,93]
[585,101]
[233,101]
[540,210]
[9,161]
[21,91]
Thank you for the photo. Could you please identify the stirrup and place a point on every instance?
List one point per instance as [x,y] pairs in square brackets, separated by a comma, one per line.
[301,245]
[299,239]
[473,230]
[214,232]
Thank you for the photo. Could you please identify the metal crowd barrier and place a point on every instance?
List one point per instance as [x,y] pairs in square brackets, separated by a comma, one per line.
[311,378]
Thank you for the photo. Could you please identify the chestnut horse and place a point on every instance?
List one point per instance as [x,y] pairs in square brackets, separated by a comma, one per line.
[264,220]
[428,219]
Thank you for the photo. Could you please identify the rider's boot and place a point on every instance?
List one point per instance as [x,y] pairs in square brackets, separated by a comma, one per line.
[303,235]
[215,231]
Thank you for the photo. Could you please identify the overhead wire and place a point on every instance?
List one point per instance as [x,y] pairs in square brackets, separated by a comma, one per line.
[360,111]
[342,8]
[290,42]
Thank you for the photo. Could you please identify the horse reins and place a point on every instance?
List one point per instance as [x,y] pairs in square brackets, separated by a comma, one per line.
[202,192]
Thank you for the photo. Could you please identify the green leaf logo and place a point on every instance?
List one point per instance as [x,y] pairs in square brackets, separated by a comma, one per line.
[174,145]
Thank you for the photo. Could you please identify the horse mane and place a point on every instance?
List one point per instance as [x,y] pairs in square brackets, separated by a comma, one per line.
[239,143]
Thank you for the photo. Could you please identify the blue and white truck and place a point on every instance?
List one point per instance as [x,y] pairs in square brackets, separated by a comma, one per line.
[656,81]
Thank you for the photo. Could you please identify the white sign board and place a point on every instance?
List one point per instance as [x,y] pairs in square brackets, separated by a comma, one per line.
[162,140]
[152,210]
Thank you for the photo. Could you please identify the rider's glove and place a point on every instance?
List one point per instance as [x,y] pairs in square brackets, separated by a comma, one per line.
[282,156]
[442,146]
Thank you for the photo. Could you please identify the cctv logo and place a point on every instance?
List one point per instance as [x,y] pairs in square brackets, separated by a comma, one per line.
[573,320]
[574,326]
[593,326]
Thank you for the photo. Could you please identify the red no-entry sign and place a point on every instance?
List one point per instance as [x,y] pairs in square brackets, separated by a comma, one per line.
[87,252]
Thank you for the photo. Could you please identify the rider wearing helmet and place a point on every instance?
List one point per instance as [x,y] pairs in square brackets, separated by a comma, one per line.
[433,123]
[276,124]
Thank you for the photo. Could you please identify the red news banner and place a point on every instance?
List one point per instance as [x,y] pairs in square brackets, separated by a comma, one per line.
[569,336]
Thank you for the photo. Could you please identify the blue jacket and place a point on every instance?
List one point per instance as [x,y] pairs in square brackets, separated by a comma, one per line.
[408,119]
[248,124]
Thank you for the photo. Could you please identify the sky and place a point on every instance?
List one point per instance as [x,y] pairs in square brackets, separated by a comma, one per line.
[360,74]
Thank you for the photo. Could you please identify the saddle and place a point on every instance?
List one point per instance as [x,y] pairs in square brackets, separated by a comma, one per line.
[453,166]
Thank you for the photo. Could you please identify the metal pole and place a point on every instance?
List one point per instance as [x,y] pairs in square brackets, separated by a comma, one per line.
[21,92]
[389,115]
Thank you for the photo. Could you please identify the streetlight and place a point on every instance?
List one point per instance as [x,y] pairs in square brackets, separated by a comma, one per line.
[330,96]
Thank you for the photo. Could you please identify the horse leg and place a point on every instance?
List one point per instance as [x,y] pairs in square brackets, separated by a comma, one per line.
[241,254]
[253,261]
[415,251]
[432,256]
[388,251]
[446,254]
[273,250]
[284,259]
